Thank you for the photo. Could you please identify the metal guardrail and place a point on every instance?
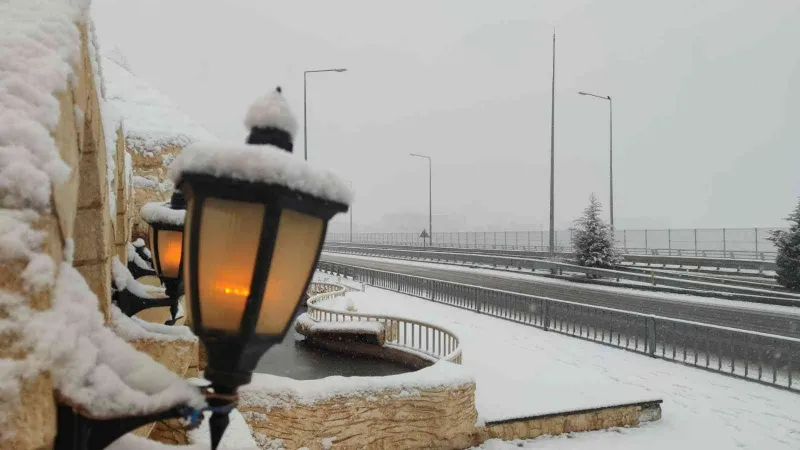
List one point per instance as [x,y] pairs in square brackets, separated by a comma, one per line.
[750,294]
[764,358]
[739,243]
[415,336]
[648,260]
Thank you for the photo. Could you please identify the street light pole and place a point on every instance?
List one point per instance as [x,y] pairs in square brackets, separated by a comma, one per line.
[350,183]
[430,195]
[610,152]
[305,103]
[553,154]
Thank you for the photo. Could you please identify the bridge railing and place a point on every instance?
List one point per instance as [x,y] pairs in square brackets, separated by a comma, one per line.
[749,293]
[759,265]
[741,243]
[763,358]
[426,340]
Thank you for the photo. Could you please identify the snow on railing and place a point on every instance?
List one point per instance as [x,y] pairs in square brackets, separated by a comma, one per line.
[420,338]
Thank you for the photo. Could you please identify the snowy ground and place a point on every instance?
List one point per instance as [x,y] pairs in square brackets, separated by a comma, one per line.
[521,370]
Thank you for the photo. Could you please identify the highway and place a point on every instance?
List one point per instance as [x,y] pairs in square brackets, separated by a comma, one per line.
[779,320]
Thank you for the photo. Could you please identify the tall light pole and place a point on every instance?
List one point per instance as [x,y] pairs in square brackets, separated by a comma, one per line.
[430,195]
[610,152]
[553,154]
[350,183]
[305,103]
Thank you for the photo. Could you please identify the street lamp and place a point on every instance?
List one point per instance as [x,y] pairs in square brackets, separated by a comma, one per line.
[350,184]
[255,224]
[610,152]
[166,241]
[305,108]
[430,194]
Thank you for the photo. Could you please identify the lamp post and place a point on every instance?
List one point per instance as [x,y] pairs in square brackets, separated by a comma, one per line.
[166,237]
[610,152]
[254,232]
[430,195]
[350,184]
[250,237]
[305,105]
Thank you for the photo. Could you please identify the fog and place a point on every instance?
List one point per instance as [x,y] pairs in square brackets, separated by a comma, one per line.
[706,99]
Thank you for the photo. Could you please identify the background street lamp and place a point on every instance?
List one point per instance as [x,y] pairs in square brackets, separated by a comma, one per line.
[610,152]
[305,107]
[430,195]
[251,245]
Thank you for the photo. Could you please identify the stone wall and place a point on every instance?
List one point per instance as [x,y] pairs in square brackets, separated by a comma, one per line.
[150,183]
[80,214]
[555,424]
[442,418]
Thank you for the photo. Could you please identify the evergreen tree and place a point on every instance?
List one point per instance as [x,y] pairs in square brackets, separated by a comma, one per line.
[593,239]
[788,244]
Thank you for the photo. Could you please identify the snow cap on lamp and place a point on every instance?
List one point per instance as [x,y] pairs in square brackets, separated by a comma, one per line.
[271,122]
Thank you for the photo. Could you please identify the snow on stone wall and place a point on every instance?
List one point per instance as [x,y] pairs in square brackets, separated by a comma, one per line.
[152,122]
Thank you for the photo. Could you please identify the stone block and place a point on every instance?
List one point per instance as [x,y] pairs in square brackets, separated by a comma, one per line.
[176,355]
[81,69]
[33,422]
[92,236]
[121,250]
[170,432]
[65,195]
[120,230]
[98,277]
[442,418]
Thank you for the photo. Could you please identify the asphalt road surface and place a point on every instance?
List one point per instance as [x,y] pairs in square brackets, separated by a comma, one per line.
[761,318]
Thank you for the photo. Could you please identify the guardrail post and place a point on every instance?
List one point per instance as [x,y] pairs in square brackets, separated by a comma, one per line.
[756,240]
[545,315]
[625,241]
[650,335]
[669,241]
[724,243]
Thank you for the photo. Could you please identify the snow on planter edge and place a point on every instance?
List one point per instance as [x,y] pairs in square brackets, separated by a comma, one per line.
[259,163]
[349,326]
[161,212]
[271,391]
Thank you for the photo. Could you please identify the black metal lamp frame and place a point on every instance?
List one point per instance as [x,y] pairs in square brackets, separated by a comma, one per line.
[173,285]
[232,356]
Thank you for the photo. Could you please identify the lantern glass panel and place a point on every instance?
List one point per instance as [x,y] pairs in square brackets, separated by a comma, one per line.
[229,236]
[170,244]
[296,245]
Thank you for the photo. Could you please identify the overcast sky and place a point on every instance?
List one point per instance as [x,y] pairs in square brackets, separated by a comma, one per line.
[706,99]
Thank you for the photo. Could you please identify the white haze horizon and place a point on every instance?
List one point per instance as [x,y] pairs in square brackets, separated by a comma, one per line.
[706,100]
